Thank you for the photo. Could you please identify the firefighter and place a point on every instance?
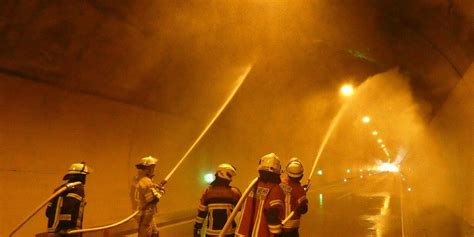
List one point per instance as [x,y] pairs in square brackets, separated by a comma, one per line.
[263,209]
[217,203]
[65,212]
[147,195]
[295,197]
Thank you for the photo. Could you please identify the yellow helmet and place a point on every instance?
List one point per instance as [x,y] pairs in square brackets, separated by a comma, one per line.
[146,161]
[77,168]
[226,171]
[270,162]
[294,168]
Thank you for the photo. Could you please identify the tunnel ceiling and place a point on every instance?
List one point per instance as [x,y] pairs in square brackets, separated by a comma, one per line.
[169,56]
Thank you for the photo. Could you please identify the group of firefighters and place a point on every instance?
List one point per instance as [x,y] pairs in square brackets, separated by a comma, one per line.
[268,203]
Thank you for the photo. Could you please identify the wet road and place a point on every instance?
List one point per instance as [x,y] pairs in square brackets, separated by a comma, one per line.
[370,206]
[367,206]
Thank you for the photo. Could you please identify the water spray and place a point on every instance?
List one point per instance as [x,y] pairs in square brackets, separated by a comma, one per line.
[239,83]
[328,134]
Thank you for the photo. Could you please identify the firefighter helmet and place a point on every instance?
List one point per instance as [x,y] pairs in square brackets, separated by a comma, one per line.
[294,168]
[77,168]
[270,162]
[146,161]
[226,171]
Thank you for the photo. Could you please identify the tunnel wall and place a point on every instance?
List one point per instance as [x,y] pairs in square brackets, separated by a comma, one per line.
[454,129]
[44,129]
[440,162]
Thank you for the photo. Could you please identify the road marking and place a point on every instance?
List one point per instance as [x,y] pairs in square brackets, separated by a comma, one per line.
[176,224]
[344,195]
[401,208]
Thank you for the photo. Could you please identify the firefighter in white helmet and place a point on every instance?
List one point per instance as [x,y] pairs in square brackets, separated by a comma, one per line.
[65,212]
[263,209]
[217,203]
[147,195]
[295,196]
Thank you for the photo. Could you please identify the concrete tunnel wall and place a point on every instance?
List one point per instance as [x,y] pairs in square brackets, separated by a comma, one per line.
[440,164]
[44,129]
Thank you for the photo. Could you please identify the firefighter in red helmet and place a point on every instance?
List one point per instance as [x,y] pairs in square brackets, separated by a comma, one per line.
[263,209]
[217,203]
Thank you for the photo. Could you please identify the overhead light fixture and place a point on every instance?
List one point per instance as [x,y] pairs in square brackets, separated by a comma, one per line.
[347,90]
[366,119]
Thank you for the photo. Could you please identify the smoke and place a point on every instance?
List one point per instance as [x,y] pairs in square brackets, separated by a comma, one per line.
[433,154]
[401,154]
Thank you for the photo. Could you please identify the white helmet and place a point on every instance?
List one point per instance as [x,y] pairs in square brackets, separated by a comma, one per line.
[226,171]
[270,162]
[77,168]
[146,161]
[294,168]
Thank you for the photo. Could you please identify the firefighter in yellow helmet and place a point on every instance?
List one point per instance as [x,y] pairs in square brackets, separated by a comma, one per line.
[217,203]
[147,195]
[295,197]
[65,211]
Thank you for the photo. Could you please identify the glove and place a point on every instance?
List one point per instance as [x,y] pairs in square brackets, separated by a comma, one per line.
[197,232]
[302,208]
[305,187]
[160,190]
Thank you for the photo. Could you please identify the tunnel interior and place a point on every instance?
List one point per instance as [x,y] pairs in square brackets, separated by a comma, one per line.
[109,83]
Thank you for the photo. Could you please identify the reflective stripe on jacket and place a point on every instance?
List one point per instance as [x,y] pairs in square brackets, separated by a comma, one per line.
[66,210]
[217,204]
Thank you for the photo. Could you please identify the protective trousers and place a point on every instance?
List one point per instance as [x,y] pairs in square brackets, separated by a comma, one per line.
[147,226]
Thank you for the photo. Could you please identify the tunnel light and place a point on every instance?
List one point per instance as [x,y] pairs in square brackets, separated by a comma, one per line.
[375,133]
[321,199]
[320,172]
[360,170]
[379,140]
[347,90]
[388,167]
[366,119]
[409,189]
[348,171]
[345,180]
[209,177]
[383,145]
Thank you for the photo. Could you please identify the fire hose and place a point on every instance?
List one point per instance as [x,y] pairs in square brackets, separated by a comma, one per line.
[237,207]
